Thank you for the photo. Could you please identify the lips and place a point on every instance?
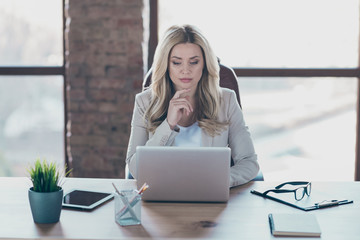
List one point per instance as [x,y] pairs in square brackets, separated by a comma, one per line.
[185,80]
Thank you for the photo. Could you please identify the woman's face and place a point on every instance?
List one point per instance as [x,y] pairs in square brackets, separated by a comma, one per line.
[186,63]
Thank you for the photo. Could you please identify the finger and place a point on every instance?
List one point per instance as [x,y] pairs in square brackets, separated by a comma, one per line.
[178,93]
[182,102]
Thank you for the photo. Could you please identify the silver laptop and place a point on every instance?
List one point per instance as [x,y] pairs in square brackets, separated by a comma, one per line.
[184,174]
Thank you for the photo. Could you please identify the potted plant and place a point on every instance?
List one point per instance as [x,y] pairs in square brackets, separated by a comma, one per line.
[46,194]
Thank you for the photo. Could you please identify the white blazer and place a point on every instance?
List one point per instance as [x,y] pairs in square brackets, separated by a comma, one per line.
[236,136]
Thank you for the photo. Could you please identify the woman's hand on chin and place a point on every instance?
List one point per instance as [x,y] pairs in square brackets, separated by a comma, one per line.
[179,105]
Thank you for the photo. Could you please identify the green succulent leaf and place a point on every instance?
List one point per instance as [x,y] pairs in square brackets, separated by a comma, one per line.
[46,177]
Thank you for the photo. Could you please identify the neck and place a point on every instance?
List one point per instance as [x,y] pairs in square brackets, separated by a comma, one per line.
[192,101]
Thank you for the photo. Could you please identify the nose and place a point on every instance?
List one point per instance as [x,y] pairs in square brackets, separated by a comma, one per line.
[185,69]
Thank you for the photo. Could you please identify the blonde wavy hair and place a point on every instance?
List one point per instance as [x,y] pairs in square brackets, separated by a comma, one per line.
[208,89]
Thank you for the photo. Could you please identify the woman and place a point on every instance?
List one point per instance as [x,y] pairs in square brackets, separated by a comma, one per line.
[185,106]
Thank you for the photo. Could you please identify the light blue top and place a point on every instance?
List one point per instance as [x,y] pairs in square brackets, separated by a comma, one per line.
[189,136]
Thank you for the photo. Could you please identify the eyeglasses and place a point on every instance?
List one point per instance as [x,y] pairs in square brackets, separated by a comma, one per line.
[298,192]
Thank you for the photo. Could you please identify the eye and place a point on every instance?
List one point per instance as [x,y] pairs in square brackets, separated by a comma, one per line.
[176,63]
[194,63]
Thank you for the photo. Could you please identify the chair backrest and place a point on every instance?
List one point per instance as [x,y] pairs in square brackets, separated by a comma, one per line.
[228,79]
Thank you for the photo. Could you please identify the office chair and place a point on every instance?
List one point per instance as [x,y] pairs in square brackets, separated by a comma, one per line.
[228,79]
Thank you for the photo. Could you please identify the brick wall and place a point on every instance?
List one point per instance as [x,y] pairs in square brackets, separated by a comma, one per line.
[104,71]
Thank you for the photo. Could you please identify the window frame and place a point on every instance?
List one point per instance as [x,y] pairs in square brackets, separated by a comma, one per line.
[276,72]
[46,71]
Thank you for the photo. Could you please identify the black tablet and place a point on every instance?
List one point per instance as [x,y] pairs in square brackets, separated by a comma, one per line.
[85,200]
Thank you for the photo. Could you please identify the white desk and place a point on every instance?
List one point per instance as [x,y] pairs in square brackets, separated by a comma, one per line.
[243,217]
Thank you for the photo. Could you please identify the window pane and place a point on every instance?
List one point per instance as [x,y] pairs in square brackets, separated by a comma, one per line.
[31,33]
[275,33]
[31,122]
[302,128]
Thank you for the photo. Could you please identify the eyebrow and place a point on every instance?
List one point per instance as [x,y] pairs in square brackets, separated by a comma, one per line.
[181,58]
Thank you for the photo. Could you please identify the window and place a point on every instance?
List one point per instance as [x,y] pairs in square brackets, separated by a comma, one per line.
[32,35]
[31,84]
[272,34]
[302,125]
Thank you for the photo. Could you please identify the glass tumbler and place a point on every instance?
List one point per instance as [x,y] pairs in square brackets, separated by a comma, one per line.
[127,207]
